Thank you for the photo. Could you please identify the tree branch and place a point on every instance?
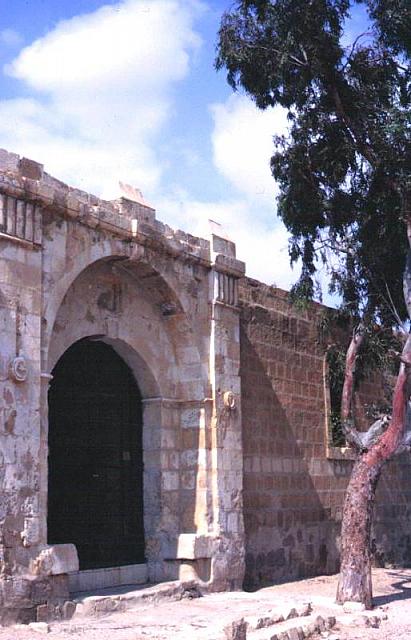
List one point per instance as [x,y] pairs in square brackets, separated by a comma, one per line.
[370,437]
[347,419]
[297,61]
[364,148]
[391,440]
[406,282]
[393,307]
[366,33]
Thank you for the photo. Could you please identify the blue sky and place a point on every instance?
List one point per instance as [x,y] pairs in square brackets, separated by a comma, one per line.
[107,91]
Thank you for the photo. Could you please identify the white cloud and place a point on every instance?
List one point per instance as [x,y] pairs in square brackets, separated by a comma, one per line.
[142,43]
[242,142]
[243,146]
[102,86]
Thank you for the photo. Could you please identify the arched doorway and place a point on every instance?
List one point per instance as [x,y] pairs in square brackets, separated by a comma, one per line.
[95,487]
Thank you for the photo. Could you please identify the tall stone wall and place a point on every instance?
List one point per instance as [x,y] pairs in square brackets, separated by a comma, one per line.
[294,479]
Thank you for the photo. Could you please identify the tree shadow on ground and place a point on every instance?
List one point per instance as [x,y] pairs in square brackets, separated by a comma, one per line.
[402,587]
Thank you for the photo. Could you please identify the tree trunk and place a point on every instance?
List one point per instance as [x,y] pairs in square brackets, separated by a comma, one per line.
[355,573]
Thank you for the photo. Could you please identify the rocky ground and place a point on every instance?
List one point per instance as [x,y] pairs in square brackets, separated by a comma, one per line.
[291,611]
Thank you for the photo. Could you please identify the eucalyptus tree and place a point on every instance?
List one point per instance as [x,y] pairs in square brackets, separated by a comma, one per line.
[344,171]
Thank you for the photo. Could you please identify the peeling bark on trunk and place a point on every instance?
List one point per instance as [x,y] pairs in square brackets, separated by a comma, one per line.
[355,572]
[349,379]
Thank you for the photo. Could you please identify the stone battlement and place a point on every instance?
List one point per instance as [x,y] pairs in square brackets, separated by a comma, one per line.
[129,217]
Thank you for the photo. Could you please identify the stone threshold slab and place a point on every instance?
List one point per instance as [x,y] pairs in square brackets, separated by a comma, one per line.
[116,599]
[93,579]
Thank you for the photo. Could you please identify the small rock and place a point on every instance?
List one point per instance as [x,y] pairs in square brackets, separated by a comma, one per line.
[42,613]
[68,609]
[191,593]
[320,623]
[293,613]
[259,622]
[373,621]
[330,622]
[39,627]
[278,617]
[236,630]
[311,629]
[305,609]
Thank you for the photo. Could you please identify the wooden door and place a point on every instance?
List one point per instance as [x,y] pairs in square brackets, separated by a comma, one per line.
[95,497]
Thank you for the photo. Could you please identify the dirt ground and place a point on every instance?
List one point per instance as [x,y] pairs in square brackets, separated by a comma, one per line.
[204,618]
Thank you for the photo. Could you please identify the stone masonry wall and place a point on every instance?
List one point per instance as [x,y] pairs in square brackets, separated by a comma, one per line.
[236,450]
[75,267]
[294,481]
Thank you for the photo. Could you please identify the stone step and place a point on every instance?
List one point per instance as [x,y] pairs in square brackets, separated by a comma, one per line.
[110,600]
[110,577]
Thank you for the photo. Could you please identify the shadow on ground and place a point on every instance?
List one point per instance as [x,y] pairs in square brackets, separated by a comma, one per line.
[402,588]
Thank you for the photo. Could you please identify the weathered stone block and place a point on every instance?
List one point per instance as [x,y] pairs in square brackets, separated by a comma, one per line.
[30,169]
[56,559]
[191,546]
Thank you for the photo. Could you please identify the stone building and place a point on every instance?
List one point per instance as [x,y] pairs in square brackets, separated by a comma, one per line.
[161,416]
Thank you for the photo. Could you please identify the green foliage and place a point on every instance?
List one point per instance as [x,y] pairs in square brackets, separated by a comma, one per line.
[379,353]
[344,168]
[336,370]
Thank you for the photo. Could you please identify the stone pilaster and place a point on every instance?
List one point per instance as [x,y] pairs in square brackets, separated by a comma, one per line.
[25,581]
[227,564]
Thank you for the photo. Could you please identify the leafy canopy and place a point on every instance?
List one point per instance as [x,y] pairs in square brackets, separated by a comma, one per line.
[344,167]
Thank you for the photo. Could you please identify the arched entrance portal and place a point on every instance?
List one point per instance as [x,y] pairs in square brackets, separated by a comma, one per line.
[95,488]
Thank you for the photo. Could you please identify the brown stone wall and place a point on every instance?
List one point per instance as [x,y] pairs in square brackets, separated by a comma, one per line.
[294,481]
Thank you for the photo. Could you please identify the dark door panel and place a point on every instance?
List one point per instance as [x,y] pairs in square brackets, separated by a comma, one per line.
[95,457]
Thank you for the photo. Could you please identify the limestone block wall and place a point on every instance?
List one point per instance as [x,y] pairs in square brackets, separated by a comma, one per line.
[294,481]
[75,267]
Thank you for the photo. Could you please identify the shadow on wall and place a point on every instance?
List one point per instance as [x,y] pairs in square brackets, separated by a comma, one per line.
[392,517]
[288,529]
